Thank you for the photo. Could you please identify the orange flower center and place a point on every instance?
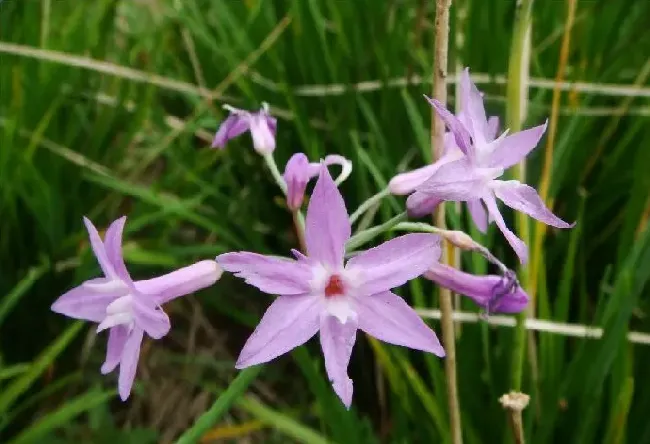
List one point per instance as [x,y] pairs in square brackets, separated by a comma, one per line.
[334,287]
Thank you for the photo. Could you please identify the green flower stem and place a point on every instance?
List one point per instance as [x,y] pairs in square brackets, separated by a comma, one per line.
[366,205]
[207,420]
[275,172]
[366,236]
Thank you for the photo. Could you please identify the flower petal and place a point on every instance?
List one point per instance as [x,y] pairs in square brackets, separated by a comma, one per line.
[272,275]
[478,213]
[517,244]
[88,301]
[421,204]
[181,282]
[345,164]
[327,224]
[461,134]
[525,199]
[456,181]
[491,292]
[262,133]
[389,318]
[296,176]
[232,127]
[113,246]
[290,321]
[406,183]
[129,362]
[492,128]
[472,106]
[150,318]
[394,262]
[116,341]
[515,147]
[337,341]
[98,249]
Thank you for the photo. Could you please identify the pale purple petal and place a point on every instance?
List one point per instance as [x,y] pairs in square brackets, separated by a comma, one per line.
[337,341]
[232,127]
[272,275]
[262,133]
[461,134]
[181,282]
[472,105]
[492,293]
[98,249]
[150,317]
[456,181]
[129,362]
[421,204]
[296,176]
[389,318]
[113,246]
[406,183]
[517,244]
[290,321]
[88,301]
[335,159]
[116,341]
[514,148]
[492,128]
[394,262]
[525,199]
[327,224]
[478,213]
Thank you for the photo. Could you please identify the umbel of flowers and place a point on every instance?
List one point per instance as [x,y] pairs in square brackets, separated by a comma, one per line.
[317,291]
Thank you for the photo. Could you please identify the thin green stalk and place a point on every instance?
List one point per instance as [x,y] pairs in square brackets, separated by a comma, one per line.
[275,172]
[234,391]
[516,99]
[368,204]
[366,236]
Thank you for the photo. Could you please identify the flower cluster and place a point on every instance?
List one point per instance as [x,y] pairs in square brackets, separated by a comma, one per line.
[317,290]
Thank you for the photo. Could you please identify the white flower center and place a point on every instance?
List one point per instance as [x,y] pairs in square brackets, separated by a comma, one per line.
[336,289]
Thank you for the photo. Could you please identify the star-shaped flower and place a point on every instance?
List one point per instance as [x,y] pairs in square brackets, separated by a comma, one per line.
[261,125]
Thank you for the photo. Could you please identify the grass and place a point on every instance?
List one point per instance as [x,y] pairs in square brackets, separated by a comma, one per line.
[107,108]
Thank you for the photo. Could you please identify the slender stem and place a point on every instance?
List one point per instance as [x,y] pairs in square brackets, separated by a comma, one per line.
[366,205]
[441,45]
[299,225]
[517,89]
[514,403]
[366,236]
[275,172]
[236,388]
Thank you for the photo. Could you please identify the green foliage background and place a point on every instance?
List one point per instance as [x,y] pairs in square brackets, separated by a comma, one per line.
[107,107]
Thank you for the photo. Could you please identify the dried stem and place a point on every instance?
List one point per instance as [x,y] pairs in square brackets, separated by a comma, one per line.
[441,44]
[515,402]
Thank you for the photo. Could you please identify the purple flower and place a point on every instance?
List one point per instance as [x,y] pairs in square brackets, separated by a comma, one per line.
[126,308]
[472,178]
[318,292]
[261,125]
[493,293]
[299,171]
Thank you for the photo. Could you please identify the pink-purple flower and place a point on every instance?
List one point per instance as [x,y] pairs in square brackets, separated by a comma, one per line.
[299,171]
[495,294]
[261,125]
[473,177]
[318,292]
[126,308]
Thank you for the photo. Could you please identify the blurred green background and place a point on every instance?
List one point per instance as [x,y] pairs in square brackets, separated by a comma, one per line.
[107,107]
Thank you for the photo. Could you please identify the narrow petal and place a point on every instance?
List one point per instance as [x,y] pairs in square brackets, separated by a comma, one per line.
[337,341]
[290,321]
[421,204]
[117,337]
[492,128]
[406,183]
[525,199]
[113,246]
[472,105]
[272,275]
[150,318]
[181,282]
[478,213]
[517,244]
[492,293]
[98,249]
[515,147]
[457,181]
[263,135]
[389,318]
[296,176]
[88,301]
[345,164]
[129,362]
[327,224]
[461,134]
[394,262]
[232,127]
